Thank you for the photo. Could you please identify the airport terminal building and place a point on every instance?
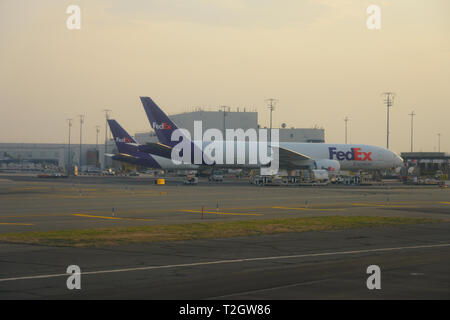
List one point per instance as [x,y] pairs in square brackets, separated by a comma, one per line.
[53,156]
[428,163]
[233,119]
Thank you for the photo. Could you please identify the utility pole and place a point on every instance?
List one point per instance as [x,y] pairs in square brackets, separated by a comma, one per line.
[389,100]
[69,162]
[106,135]
[81,134]
[412,114]
[272,103]
[346,119]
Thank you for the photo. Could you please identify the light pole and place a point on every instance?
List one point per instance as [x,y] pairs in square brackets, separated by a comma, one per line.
[106,135]
[412,114]
[224,115]
[346,119]
[439,142]
[272,103]
[81,135]
[97,130]
[69,162]
[389,100]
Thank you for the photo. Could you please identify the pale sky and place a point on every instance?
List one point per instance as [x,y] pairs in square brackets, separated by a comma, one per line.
[317,57]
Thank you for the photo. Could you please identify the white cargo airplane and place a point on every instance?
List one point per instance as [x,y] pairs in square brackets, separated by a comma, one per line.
[331,157]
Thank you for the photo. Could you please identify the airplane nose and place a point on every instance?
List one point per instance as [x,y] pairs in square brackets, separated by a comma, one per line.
[398,161]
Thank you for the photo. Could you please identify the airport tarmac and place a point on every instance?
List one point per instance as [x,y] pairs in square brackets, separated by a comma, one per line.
[31,204]
[414,259]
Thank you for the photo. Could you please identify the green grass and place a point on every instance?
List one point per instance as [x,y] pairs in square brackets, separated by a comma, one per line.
[210,230]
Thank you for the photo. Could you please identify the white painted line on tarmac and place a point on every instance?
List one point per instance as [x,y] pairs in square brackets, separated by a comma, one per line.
[324,254]
[268,289]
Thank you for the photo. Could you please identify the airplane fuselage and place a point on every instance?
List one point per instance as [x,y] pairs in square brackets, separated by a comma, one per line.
[239,154]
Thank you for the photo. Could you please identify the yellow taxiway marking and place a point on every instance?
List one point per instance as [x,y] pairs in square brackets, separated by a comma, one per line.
[382,205]
[110,218]
[49,196]
[218,212]
[15,224]
[35,215]
[27,215]
[309,209]
[443,202]
[29,188]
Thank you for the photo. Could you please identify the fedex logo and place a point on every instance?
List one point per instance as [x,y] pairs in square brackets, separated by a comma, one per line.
[354,154]
[163,126]
[123,140]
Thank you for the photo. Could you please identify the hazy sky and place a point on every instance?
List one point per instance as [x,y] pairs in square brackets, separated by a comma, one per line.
[316,56]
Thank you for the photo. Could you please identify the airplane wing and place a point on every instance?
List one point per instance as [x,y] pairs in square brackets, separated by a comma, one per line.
[121,156]
[110,155]
[157,149]
[292,159]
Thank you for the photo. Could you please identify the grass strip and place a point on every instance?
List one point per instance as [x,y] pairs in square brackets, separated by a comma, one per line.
[208,230]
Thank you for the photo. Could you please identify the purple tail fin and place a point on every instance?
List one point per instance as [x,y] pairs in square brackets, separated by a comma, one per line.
[159,121]
[124,142]
[164,127]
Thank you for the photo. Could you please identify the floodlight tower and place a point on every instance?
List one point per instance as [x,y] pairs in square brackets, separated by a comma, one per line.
[439,142]
[69,162]
[224,115]
[272,103]
[97,130]
[346,119]
[81,135]
[412,114]
[107,111]
[389,100]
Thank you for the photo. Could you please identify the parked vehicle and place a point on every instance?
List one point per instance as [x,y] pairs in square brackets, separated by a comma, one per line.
[217,176]
[109,172]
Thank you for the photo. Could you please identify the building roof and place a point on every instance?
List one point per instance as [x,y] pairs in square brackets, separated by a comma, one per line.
[425,155]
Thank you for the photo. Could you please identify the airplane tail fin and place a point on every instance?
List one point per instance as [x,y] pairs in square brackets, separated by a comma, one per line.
[124,142]
[159,121]
[164,127]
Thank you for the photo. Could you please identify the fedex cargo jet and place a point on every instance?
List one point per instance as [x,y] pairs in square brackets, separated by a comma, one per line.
[332,157]
[152,155]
